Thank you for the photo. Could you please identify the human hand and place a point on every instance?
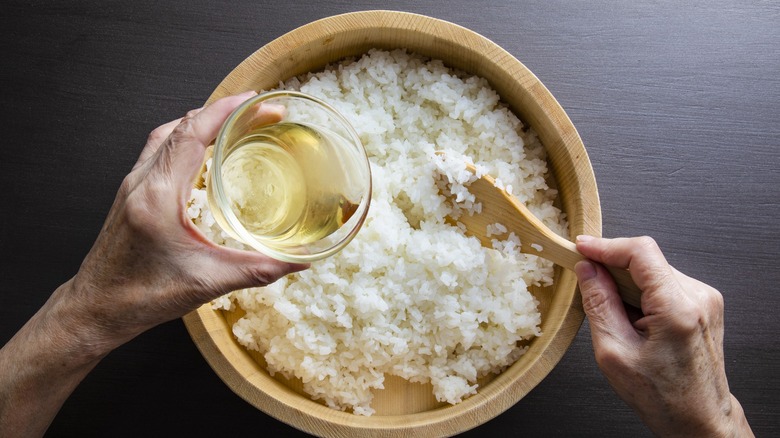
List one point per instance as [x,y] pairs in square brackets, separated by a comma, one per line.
[667,364]
[150,264]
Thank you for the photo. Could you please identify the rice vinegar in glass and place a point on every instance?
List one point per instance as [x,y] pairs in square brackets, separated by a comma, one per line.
[284,182]
[289,177]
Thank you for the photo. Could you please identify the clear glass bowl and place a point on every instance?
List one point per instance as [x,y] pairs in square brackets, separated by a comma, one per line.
[289,177]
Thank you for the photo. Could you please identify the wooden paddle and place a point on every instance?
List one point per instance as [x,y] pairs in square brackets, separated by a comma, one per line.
[500,207]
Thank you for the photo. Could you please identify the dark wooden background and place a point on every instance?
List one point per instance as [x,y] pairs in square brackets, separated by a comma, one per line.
[678,104]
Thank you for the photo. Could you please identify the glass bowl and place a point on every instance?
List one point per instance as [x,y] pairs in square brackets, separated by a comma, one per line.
[289,177]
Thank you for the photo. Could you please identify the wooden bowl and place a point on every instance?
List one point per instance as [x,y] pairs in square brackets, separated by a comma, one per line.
[406,409]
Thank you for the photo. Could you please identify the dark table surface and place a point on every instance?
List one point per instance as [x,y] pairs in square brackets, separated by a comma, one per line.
[678,104]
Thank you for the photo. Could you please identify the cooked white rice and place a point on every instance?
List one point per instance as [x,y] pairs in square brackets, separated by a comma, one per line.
[411,296]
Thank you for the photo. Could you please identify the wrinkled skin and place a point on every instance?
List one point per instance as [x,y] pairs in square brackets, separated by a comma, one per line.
[148,265]
[667,361]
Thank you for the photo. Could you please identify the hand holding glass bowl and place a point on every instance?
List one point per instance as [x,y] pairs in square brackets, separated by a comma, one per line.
[289,177]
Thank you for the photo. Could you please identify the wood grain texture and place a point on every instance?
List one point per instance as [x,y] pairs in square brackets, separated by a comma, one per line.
[497,206]
[676,102]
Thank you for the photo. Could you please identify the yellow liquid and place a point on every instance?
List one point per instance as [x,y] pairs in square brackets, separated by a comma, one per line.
[287,183]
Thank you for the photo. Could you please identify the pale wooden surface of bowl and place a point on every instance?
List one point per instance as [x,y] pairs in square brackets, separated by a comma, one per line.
[405,409]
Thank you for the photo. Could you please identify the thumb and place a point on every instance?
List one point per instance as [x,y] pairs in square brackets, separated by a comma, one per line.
[228,269]
[603,306]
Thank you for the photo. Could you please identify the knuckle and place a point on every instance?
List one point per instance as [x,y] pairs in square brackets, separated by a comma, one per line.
[183,131]
[138,213]
[265,273]
[126,187]
[262,277]
[647,243]
[699,311]
[156,136]
[690,318]
[714,305]
[593,299]
[610,358]
[715,299]
[596,299]
[659,278]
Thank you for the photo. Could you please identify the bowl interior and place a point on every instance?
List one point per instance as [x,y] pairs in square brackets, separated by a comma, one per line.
[404,408]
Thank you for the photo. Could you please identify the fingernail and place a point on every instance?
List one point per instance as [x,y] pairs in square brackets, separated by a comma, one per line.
[584,238]
[585,270]
[248,94]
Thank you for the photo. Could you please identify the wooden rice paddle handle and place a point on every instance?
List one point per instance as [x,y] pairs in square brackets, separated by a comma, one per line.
[500,207]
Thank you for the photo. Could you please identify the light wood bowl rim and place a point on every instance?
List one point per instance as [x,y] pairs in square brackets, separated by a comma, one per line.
[213,336]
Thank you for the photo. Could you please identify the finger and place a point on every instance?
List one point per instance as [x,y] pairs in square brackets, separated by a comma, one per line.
[647,265]
[609,323]
[180,156]
[230,269]
[705,296]
[252,269]
[640,255]
[203,126]
[266,114]
[156,138]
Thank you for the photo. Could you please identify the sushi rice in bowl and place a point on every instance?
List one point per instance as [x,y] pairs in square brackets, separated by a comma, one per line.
[412,308]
